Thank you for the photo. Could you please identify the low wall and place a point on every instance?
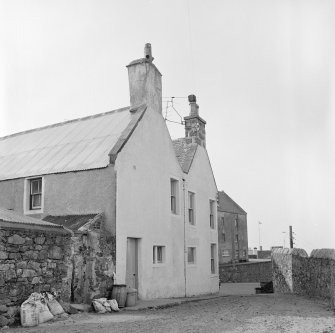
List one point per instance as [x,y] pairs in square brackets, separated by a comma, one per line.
[246,272]
[32,260]
[295,272]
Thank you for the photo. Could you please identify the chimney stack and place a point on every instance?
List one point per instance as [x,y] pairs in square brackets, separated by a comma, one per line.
[145,82]
[195,125]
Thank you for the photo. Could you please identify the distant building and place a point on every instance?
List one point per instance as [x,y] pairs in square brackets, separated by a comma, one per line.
[232,230]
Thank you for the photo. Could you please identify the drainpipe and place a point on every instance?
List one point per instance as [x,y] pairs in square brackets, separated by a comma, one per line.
[184,200]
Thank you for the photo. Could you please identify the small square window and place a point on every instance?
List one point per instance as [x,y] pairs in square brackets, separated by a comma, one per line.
[225,253]
[158,254]
[191,255]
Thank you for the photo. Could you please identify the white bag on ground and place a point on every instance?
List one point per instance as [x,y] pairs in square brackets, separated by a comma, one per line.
[43,311]
[98,307]
[54,307]
[113,304]
[34,311]
[28,314]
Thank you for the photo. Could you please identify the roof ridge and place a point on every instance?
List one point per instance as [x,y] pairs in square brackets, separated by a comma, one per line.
[64,122]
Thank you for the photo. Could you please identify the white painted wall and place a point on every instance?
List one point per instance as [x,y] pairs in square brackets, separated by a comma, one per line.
[144,168]
[200,180]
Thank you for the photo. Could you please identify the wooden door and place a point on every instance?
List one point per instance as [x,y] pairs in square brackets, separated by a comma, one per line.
[132,263]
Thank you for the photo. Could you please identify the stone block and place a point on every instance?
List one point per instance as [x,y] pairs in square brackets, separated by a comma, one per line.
[40,240]
[15,256]
[3,255]
[28,273]
[10,274]
[36,280]
[55,252]
[42,255]
[3,321]
[4,267]
[34,265]
[16,239]
[3,308]
[21,265]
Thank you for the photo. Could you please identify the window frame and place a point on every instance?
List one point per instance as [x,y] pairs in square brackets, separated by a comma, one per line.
[37,194]
[212,214]
[191,208]
[158,254]
[174,196]
[29,194]
[213,258]
[194,255]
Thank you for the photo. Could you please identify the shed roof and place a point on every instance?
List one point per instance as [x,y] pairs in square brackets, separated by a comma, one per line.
[16,218]
[72,222]
[227,204]
[185,152]
[75,145]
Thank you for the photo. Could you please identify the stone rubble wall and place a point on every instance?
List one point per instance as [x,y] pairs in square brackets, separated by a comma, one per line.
[246,272]
[94,265]
[32,260]
[295,272]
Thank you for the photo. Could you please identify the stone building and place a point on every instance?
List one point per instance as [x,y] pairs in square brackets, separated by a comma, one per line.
[155,198]
[232,230]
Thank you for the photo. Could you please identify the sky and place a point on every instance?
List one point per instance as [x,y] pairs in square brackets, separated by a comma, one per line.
[263,73]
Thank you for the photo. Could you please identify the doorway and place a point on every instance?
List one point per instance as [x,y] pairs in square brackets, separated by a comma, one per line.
[132,263]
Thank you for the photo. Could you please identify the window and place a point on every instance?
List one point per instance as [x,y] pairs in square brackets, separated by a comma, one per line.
[223,230]
[211,214]
[236,238]
[191,218]
[244,253]
[236,224]
[213,261]
[174,196]
[225,253]
[236,253]
[35,197]
[191,255]
[158,254]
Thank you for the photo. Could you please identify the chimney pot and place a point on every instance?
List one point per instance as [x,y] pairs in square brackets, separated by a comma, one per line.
[148,52]
[192,98]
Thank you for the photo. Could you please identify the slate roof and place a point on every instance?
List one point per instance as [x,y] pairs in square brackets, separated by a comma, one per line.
[72,222]
[14,217]
[75,145]
[227,204]
[185,152]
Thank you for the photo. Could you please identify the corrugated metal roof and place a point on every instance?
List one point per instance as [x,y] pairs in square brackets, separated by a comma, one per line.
[73,222]
[185,152]
[227,204]
[13,217]
[75,145]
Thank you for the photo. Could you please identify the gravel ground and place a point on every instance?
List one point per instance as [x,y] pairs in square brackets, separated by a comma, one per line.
[236,314]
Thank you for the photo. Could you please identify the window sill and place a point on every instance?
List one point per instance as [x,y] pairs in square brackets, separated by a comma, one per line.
[158,265]
[33,211]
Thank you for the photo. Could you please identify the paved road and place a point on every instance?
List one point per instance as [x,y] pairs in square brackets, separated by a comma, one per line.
[235,314]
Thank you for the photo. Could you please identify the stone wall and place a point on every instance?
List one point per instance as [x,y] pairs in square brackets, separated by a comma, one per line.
[246,272]
[295,272]
[93,262]
[32,260]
